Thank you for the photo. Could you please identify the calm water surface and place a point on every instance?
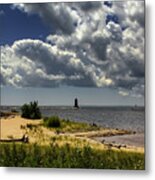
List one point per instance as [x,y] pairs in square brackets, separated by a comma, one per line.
[114,117]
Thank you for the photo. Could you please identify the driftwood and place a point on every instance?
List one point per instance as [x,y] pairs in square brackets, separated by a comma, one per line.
[24,139]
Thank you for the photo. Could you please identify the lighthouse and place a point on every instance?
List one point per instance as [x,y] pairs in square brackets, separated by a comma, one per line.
[76,103]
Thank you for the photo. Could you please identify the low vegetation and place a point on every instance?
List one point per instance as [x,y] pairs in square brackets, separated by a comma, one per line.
[32,155]
[52,122]
[14,111]
[63,125]
[31,111]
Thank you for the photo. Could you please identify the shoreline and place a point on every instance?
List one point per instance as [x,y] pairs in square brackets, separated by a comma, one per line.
[14,127]
[130,140]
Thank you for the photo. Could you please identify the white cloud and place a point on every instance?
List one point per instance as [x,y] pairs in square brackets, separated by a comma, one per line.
[35,63]
[83,50]
[123,93]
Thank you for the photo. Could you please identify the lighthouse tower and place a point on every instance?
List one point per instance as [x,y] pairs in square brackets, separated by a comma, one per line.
[76,103]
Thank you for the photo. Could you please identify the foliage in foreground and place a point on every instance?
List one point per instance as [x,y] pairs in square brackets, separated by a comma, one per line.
[31,111]
[22,155]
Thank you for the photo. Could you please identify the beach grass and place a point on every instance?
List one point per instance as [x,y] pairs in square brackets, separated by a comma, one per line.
[63,125]
[66,156]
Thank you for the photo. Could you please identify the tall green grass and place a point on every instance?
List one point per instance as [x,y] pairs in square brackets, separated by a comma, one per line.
[32,155]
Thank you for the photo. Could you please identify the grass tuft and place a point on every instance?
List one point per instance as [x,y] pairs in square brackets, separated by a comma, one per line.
[52,122]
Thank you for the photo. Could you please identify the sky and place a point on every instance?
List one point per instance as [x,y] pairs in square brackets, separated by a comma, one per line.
[54,52]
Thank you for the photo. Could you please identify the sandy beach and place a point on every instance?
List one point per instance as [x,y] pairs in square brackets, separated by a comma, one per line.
[11,127]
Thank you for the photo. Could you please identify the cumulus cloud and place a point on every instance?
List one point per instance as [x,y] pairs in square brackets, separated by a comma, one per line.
[56,15]
[94,44]
[35,63]
[88,6]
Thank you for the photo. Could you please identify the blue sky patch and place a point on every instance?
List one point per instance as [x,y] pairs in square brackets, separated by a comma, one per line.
[112,17]
[16,25]
[108,3]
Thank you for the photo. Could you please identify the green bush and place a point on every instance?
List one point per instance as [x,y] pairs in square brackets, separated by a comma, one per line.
[31,111]
[53,121]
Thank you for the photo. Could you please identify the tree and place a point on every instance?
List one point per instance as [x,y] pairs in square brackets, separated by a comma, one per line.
[31,110]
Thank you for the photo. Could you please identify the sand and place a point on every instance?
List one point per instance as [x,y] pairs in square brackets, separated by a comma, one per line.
[11,127]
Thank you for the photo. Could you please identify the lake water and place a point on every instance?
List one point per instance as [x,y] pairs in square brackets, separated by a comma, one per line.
[113,117]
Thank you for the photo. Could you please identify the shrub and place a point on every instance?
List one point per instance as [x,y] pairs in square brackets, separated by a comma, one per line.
[31,111]
[53,121]
[14,111]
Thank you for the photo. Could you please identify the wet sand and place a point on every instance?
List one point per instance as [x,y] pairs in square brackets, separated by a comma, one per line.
[136,140]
